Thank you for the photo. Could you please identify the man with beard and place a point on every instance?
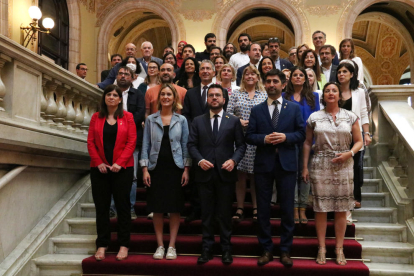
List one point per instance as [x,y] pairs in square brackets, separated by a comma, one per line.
[216,144]
[133,101]
[229,50]
[209,41]
[255,55]
[276,127]
[274,48]
[167,75]
[327,54]
[130,51]
[241,58]
[215,52]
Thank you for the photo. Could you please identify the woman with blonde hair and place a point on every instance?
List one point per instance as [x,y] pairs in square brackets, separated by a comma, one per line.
[347,51]
[165,166]
[241,102]
[152,79]
[227,77]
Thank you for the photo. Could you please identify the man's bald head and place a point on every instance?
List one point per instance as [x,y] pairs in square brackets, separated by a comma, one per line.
[130,50]
[167,73]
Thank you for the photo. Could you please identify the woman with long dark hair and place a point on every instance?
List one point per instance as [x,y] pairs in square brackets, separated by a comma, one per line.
[265,65]
[347,51]
[111,142]
[299,91]
[171,59]
[310,60]
[189,77]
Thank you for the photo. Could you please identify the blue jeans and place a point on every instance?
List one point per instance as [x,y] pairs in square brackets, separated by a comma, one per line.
[133,193]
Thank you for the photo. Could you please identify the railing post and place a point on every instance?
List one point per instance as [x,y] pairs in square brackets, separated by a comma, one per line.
[3,60]
[79,116]
[51,108]
[61,112]
[70,111]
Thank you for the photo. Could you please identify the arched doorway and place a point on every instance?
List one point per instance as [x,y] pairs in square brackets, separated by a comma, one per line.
[114,30]
[383,32]
[291,16]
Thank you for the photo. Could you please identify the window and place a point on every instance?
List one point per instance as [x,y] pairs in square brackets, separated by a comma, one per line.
[56,44]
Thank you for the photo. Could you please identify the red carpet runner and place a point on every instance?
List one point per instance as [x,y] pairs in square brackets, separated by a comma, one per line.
[245,244]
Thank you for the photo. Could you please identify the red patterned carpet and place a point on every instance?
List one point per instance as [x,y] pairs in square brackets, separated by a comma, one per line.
[245,250]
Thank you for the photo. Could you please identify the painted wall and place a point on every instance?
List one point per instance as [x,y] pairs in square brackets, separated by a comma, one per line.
[88,45]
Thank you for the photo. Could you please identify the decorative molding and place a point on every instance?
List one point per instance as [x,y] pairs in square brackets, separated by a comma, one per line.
[198,15]
[324,10]
[89,4]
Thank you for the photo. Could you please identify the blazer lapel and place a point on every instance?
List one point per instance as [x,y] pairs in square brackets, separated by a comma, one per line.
[200,100]
[207,124]
[265,110]
[223,124]
[284,113]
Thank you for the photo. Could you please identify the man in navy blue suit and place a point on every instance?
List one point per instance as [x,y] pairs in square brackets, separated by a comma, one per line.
[274,48]
[276,127]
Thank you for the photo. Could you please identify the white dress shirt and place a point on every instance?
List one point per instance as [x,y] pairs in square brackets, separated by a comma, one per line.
[219,118]
[327,72]
[238,60]
[202,86]
[271,106]
[125,99]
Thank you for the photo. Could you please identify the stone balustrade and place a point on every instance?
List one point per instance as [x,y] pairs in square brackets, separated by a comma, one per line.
[393,149]
[38,95]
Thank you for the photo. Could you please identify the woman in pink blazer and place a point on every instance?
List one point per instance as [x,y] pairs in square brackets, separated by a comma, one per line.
[111,143]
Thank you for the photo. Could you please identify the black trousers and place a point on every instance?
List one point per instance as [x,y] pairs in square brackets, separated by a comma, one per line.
[216,198]
[119,186]
[358,174]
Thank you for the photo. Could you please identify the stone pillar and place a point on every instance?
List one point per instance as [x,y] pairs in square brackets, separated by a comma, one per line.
[51,109]
[61,112]
[79,116]
[3,60]
[86,116]
[70,111]
[43,102]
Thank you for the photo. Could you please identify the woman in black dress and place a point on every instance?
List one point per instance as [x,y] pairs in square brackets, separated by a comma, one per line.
[165,165]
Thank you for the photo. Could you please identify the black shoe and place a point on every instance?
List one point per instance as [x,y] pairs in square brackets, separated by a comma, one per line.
[206,256]
[226,258]
[285,259]
[193,216]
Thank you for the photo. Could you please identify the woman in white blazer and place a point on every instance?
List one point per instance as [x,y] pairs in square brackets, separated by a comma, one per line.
[353,99]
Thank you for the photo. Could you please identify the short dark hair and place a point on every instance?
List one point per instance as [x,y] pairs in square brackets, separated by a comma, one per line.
[234,47]
[126,68]
[209,35]
[166,47]
[116,55]
[263,46]
[340,102]
[317,32]
[189,46]
[244,34]
[352,68]
[175,58]
[216,47]
[254,43]
[125,62]
[79,65]
[276,72]
[274,40]
[214,85]
[103,110]
[332,48]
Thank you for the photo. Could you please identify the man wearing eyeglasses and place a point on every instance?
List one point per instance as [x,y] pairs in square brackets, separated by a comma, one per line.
[133,101]
[81,70]
[292,55]
[319,39]
[274,48]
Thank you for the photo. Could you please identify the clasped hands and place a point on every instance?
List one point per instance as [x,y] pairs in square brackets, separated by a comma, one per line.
[275,138]
[114,168]
[228,165]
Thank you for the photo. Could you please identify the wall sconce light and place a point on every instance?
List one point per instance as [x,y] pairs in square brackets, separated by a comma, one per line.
[31,30]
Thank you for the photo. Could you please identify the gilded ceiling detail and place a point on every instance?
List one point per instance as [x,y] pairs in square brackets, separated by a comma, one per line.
[324,10]
[89,4]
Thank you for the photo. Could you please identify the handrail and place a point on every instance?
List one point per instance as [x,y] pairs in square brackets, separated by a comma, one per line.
[11,175]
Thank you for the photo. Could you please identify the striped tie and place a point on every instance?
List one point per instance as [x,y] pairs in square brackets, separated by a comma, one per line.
[275,115]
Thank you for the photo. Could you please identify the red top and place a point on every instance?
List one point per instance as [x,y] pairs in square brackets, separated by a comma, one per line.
[125,141]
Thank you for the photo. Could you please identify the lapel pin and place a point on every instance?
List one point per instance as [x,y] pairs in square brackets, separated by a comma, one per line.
[285,106]
[227,116]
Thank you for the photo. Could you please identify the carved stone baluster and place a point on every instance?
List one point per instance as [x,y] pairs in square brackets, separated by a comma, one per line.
[51,108]
[61,113]
[392,159]
[43,102]
[79,116]
[3,60]
[70,111]
[86,116]
[93,106]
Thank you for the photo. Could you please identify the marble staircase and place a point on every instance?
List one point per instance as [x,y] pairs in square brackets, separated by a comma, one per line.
[384,241]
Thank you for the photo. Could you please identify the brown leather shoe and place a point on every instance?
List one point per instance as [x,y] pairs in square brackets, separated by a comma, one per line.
[265,258]
[285,259]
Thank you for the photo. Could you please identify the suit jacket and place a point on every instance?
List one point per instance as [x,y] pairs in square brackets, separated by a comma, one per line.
[125,141]
[111,77]
[136,106]
[194,106]
[104,74]
[144,64]
[285,64]
[332,77]
[240,73]
[201,145]
[290,123]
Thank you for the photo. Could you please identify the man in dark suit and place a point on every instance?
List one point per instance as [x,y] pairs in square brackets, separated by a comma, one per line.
[327,54]
[318,40]
[255,53]
[133,101]
[276,127]
[115,59]
[211,144]
[147,50]
[274,48]
[195,104]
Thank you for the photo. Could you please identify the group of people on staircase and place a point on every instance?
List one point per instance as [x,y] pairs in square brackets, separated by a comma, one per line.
[287,127]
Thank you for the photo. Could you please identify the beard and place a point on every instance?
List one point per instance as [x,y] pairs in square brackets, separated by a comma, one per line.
[228,54]
[165,79]
[243,48]
[215,108]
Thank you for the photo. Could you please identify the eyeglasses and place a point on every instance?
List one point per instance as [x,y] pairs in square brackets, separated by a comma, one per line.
[124,74]
[273,39]
[292,54]
[152,67]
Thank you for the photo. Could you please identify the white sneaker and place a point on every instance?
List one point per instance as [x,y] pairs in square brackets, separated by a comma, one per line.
[150,216]
[159,254]
[171,253]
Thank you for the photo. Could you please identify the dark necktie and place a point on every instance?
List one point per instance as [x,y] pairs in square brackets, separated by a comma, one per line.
[275,115]
[215,127]
[204,95]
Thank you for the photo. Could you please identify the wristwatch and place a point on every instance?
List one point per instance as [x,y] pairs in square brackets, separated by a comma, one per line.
[353,154]
[369,133]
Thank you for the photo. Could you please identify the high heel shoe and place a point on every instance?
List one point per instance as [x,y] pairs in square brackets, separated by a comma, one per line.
[124,254]
[101,255]
[321,258]
[340,257]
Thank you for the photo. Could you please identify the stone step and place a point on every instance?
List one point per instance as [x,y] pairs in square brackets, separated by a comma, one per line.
[387,232]
[73,244]
[83,226]
[388,252]
[369,172]
[58,265]
[375,214]
[367,160]
[372,186]
[375,199]
[384,269]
